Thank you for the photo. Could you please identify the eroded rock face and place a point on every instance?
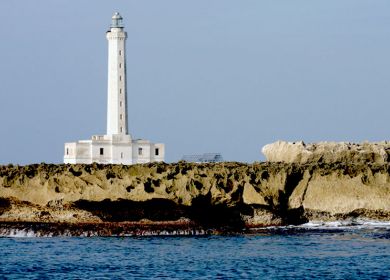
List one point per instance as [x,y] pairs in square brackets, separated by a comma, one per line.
[206,195]
[327,152]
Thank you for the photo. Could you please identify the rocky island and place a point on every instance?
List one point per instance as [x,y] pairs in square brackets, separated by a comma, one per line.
[298,183]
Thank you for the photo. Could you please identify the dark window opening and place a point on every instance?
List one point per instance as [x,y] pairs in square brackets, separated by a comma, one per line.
[140,151]
[120,52]
[121,155]
[156,151]
[67,151]
[101,151]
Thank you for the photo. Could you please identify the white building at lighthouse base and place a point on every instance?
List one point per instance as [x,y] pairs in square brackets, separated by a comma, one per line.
[113,149]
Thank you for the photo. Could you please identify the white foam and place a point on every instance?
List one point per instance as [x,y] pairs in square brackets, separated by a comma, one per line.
[23,233]
[312,225]
[18,233]
[345,224]
[342,224]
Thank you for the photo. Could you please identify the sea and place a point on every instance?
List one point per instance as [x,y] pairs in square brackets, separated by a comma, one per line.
[338,250]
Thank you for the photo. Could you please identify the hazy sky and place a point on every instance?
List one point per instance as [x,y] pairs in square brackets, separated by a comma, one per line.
[222,76]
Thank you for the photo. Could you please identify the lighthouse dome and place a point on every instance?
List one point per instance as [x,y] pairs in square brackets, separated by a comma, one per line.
[117,16]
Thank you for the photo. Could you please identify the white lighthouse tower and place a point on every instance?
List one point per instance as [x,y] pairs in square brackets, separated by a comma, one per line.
[117,146]
[117,103]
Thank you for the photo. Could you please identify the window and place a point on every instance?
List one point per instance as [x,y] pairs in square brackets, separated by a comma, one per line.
[121,154]
[156,152]
[140,151]
[67,151]
[120,103]
[101,151]
[120,52]
[121,129]
[120,78]
[120,116]
[120,65]
[120,90]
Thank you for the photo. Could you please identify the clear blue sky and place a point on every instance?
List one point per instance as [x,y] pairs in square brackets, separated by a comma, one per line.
[222,76]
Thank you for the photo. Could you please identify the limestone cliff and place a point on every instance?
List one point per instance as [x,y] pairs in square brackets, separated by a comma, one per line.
[327,152]
[204,195]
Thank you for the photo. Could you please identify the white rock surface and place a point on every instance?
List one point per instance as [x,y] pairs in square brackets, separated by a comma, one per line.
[327,152]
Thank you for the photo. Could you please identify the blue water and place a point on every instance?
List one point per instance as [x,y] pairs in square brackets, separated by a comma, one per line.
[352,253]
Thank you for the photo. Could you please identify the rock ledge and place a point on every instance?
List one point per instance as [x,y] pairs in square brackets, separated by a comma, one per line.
[327,152]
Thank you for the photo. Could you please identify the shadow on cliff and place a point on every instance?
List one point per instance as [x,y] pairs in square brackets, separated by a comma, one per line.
[201,212]
[5,205]
[289,216]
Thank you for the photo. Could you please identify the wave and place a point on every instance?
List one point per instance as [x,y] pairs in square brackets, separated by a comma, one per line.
[25,233]
[347,224]
[336,225]
[17,233]
[342,225]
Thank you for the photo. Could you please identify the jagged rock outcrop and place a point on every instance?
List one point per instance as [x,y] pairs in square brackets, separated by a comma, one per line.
[327,152]
[220,195]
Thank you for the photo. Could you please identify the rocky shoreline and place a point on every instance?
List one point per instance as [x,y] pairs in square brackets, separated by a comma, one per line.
[187,198]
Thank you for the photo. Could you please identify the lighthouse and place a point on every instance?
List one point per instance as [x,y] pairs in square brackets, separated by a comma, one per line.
[117,102]
[117,145]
